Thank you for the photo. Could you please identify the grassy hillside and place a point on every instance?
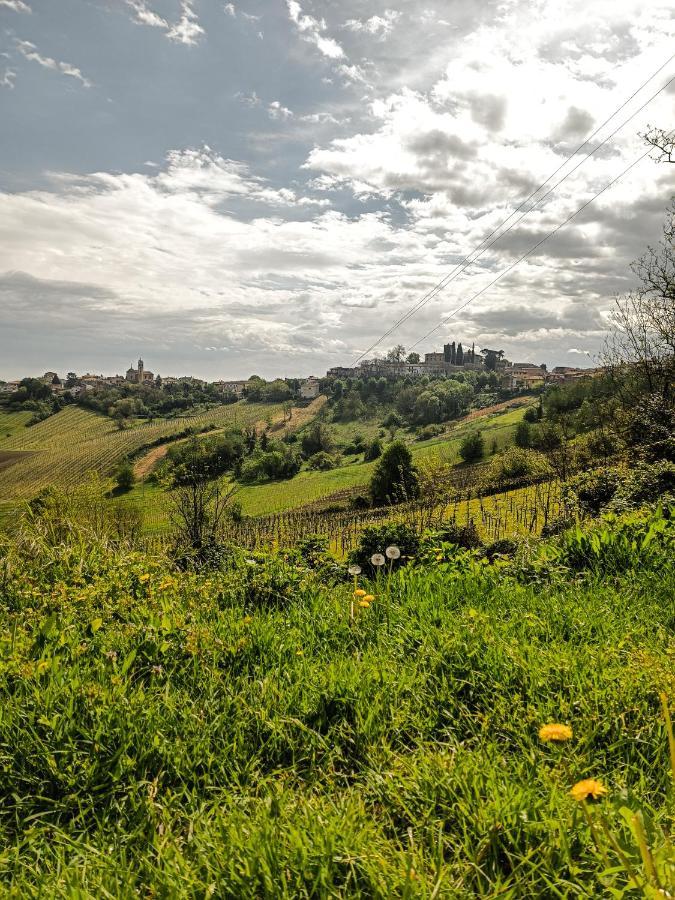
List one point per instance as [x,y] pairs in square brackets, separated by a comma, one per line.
[236,734]
[310,486]
[67,446]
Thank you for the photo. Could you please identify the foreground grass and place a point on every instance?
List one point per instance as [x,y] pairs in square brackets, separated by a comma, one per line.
[235,735]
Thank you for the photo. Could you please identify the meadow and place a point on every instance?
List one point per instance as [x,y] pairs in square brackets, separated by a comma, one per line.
[238,733]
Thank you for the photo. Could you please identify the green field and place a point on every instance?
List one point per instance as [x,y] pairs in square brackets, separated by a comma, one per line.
[237,734]
[310,486]
[75,442]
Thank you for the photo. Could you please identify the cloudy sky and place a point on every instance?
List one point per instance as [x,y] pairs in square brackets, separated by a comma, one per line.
[266,186]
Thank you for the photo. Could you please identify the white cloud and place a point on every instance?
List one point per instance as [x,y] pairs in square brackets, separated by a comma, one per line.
[230,10]
[8,78]
[277,111]
[145,15]
[379,26]
[31,53]
[16,5]
[312,30]
[186,30]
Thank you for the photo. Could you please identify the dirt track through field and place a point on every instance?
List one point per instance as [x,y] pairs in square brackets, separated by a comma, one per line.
[278,427]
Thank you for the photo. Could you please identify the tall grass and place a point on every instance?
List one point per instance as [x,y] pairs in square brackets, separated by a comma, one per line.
[236,734]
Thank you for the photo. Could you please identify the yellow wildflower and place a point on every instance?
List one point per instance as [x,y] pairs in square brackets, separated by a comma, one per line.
[555,732]
[145,577]
[589,787]
[359,592]
[369,598]
[364,603]
[299,652]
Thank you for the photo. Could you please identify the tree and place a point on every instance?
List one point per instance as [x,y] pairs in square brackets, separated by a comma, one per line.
[413,358]
[663,142]
[198,506]
[319,438]
[373,451]
[522,436]
[396,354]
[642,342]
[124,477]
[472,447]
[395,477]
[492,357]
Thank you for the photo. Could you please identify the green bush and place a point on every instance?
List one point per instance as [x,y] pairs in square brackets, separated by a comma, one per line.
[472,447]
[373,450]
[395,477]
[616,545]
[593,490]
[322,461]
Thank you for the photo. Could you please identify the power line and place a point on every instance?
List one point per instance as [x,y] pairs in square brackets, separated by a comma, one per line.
[466,262]
[532,249]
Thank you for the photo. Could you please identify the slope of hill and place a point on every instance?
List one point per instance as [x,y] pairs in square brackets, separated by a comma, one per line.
[239,734]
[67,446]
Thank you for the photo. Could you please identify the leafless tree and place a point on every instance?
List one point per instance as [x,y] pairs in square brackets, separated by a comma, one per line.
[663,142]
[198,507]
[643,321]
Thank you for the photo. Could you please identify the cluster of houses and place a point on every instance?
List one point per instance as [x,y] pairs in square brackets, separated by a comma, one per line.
[76,385]
[452,359]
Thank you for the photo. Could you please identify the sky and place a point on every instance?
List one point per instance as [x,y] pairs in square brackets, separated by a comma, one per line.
[267,186]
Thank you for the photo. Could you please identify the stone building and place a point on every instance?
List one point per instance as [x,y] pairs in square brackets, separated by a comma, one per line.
[139,375]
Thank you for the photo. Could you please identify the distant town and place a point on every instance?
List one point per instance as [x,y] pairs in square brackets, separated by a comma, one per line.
[451,360]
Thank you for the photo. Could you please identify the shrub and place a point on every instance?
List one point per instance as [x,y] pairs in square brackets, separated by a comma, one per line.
[472,447]
[376,539]
[429,431]
[522,435]
[272,583]
[317,439]
[124,477]
[645,483]
[513,467]
[373,451]
[594,489]
[359,502]
[615,545]
[321,461]
[465,536]
[395,478]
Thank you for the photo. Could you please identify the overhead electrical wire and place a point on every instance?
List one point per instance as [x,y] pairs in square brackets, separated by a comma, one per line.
[532,249]
[484,245]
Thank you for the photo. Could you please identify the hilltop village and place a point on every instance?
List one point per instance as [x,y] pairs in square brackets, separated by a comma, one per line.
[453,359]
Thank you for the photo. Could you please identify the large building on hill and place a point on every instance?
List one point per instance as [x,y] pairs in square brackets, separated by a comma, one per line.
[139,375]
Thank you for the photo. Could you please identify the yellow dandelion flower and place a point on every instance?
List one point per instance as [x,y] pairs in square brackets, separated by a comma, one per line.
[589,787]
[555,732]
[369,598]
[439,558]
[359,592]
[145,577]
[364,604]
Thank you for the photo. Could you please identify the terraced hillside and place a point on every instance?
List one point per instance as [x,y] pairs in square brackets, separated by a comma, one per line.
[65,448]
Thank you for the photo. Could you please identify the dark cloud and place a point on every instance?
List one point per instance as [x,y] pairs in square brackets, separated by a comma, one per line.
[436,148]
[576,124]
[488,110]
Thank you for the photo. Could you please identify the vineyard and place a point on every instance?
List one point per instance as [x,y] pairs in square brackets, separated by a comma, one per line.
[63,449]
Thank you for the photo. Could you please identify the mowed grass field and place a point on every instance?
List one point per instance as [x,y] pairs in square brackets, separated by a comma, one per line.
[65,448]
